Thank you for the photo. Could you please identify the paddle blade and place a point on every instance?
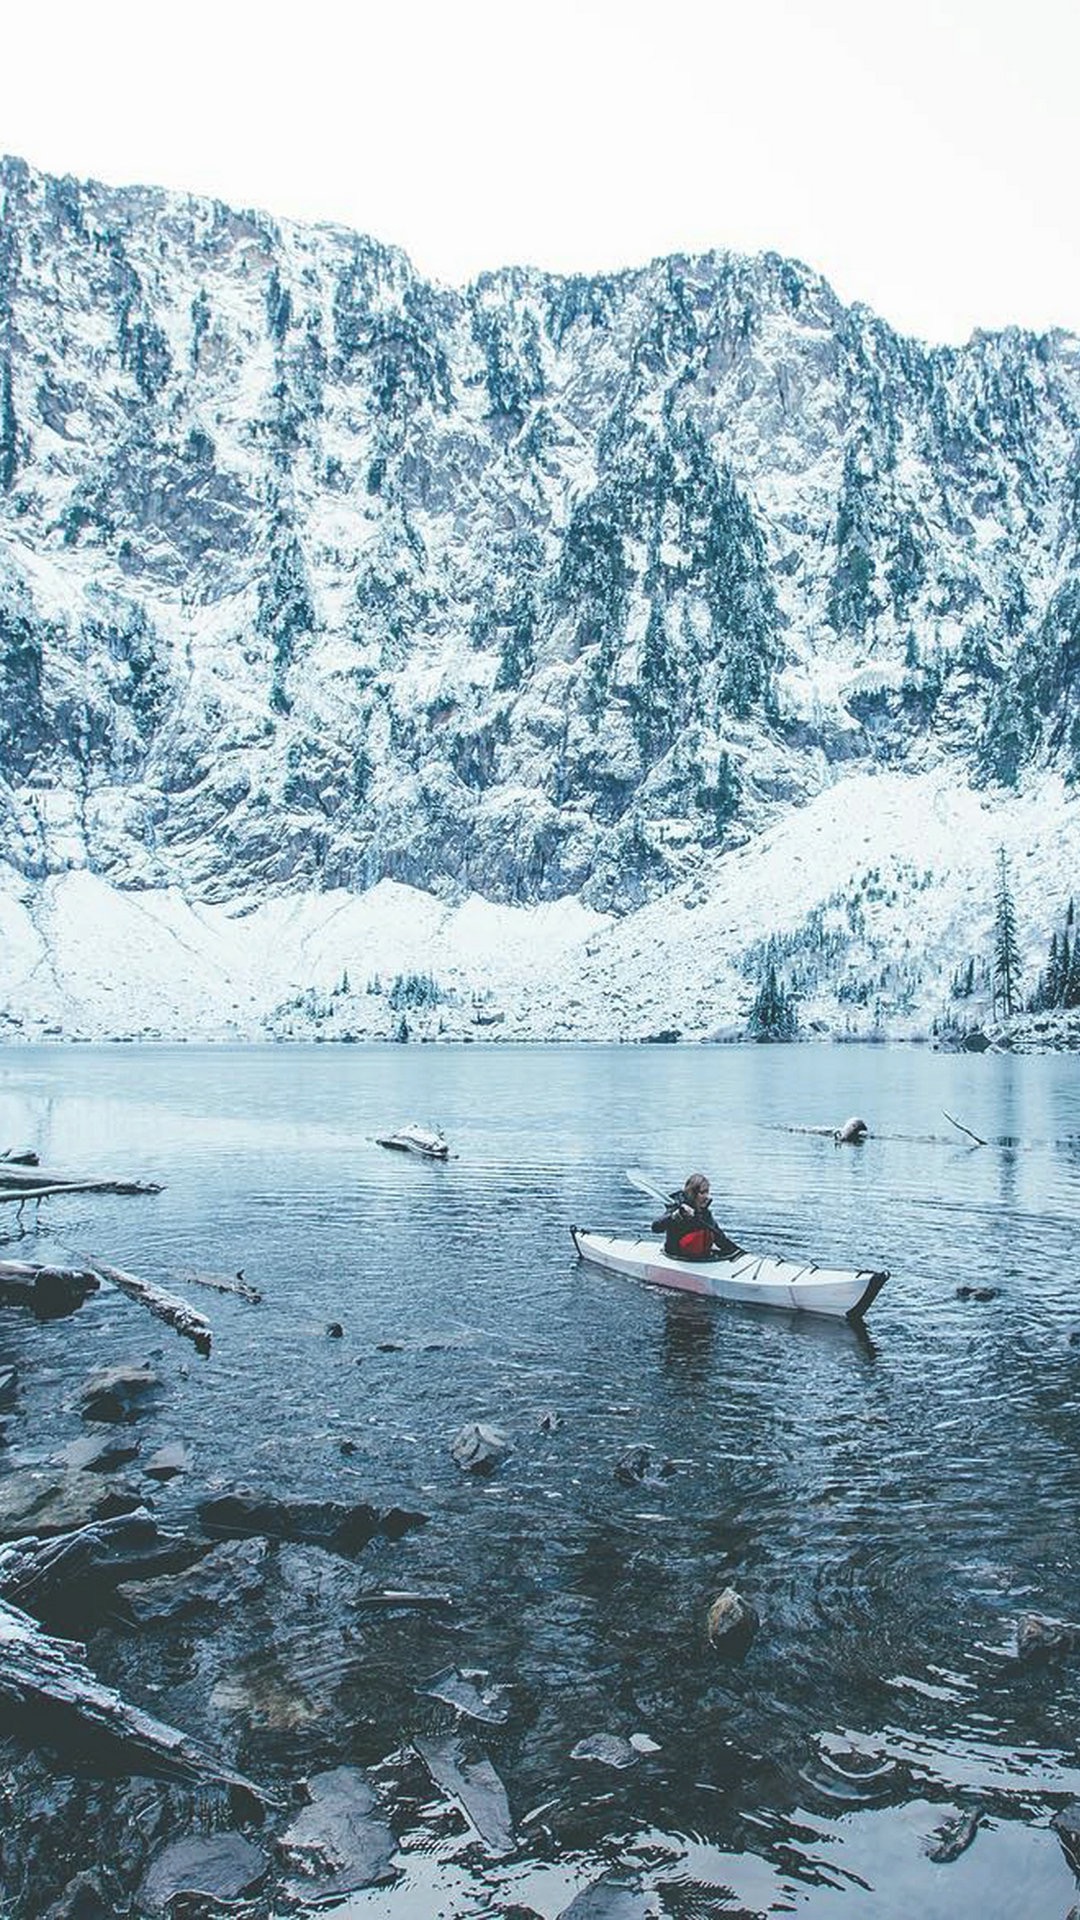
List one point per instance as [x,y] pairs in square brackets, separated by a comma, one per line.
[638,1179]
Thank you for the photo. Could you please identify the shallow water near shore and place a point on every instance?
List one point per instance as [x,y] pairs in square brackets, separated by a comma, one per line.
[890,1502]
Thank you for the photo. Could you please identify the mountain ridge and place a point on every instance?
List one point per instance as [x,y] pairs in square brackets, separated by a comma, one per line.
[316,575]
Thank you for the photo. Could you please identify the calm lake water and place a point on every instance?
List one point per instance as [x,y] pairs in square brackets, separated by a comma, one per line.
[890,1503]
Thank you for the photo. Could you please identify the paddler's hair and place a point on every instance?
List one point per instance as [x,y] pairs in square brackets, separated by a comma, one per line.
[695,1184]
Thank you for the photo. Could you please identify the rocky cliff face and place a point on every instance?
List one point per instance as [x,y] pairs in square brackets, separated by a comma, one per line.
[313,573]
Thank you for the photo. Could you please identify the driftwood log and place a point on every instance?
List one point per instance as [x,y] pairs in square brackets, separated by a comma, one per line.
[220,1284]
[49,1692]
[43,1575]
[34,1181]
[165,1306]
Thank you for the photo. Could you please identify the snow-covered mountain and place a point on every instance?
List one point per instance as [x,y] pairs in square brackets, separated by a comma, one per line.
[363,640]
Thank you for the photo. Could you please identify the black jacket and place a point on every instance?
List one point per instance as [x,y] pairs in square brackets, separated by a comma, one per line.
[681,1219]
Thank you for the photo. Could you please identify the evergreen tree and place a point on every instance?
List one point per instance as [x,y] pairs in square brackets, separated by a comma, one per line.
[773,1015]
[1006,950]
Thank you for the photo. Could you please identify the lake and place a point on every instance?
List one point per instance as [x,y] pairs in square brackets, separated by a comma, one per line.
[891,1503]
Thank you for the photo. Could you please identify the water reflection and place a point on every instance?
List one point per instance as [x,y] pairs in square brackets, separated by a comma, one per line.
[688,1337]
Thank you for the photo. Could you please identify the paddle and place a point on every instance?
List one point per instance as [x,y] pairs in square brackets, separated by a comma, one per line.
[637,1179]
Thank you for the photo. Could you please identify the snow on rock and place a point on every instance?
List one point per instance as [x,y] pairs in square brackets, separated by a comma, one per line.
[381,659]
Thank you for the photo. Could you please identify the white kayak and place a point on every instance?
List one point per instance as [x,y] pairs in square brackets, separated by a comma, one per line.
[418,1140]
[753,1279]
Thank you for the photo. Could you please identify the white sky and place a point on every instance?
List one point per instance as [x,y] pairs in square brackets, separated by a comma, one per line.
[920,156]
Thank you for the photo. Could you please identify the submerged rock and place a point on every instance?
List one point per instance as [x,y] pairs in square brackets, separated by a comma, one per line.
[1039,1638]
[90,1896]
[642,1467]
[339,1841]
[469,1694]
[607,1749]
[321,1523]
[213,1866]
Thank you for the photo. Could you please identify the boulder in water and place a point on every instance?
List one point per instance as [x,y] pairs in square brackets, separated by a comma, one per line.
[479,1448]
[731,1624]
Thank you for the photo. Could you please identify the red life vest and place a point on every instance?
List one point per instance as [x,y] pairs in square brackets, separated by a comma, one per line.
[696,1245]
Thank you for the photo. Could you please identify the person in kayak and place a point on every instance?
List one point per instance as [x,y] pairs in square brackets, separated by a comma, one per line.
[689,1229]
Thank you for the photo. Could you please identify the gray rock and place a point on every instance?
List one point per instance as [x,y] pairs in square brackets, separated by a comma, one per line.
[478,1448]
[731,1624]
[953,1837]
[607,1749]
[217,1866]
[339,1841]
[469,1694]
[98,1453]
[233,1568]
[45,1501]
[1066,1825]
[118,1393]
[475,1788]
[612,1898]
[168,1461]
[322,1523]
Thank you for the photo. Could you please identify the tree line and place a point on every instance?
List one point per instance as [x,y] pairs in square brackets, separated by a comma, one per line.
[774,1011]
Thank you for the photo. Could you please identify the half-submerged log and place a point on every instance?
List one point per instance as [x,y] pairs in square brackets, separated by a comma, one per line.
[220,1284]
[166,1306]
[49,1693]
[13,1176]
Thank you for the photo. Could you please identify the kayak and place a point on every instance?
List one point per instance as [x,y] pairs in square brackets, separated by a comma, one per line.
[752,1279]
[429,1146]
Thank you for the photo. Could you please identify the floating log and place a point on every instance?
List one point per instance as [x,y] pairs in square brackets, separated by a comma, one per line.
[49,1692]
[165,1306]
[20,1195]
[14,1175]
